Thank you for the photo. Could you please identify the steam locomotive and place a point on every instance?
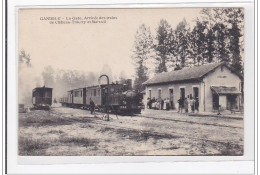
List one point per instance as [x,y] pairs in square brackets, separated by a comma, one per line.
[116,98]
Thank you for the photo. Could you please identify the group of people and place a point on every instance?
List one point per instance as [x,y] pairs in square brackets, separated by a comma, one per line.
[185,103]
[158,103]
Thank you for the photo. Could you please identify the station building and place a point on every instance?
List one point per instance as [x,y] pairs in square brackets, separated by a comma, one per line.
[215,85]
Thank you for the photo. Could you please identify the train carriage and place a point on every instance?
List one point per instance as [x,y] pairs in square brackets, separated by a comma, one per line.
[78,97]
[42,97]
[70,97]
[94,92]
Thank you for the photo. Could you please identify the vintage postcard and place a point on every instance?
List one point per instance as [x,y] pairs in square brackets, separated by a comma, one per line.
[131,82]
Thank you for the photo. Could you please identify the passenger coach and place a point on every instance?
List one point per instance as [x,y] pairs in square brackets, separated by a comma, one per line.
[42,97]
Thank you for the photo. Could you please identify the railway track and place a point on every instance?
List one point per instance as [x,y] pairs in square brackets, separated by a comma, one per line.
[191,122]
[174,120]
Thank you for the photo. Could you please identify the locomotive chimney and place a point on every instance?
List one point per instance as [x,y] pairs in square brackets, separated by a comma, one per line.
[129,84]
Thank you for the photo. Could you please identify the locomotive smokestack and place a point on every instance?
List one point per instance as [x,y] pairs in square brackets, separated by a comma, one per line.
[129,84]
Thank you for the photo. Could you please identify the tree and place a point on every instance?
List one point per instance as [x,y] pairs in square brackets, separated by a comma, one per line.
[143,51]
[220,44]
[229,22]
[183,45]
[235,48]
[198,40]
[235,16]
[163,46]
[25,78]
[24,58]
[209,45]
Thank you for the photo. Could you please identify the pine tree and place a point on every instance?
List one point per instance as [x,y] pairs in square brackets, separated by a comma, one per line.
[220,42]
[183,45]
[173,57]
[235,47]
[163,45]
[198,40]
[209,45]
[228,24]
[143,50]
[235,18]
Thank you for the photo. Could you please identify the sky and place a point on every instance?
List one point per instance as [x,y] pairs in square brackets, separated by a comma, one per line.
[88,47]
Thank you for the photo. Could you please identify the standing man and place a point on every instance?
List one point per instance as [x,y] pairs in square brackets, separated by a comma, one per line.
[149,103]
[197,104]
[180,101]
[186,105]
[192,104]
[92,106]
[162,103]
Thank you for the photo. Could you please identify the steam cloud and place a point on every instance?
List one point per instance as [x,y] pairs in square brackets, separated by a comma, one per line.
[60,80]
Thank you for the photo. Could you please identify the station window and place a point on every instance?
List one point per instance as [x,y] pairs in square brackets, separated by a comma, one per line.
[95,92]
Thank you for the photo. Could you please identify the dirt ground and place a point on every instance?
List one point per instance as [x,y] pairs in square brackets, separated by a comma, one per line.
[74,132]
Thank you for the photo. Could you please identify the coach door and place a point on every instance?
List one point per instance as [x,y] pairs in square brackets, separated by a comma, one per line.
[71,97]
[84,96]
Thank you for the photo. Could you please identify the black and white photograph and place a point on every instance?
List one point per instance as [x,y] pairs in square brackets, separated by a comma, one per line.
[130,82]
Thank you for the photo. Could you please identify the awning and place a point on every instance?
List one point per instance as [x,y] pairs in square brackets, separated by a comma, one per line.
[223,90]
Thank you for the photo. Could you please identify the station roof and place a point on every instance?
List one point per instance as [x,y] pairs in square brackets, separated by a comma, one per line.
[194,73]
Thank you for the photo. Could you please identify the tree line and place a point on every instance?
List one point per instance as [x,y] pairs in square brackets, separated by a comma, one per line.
[217,36]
